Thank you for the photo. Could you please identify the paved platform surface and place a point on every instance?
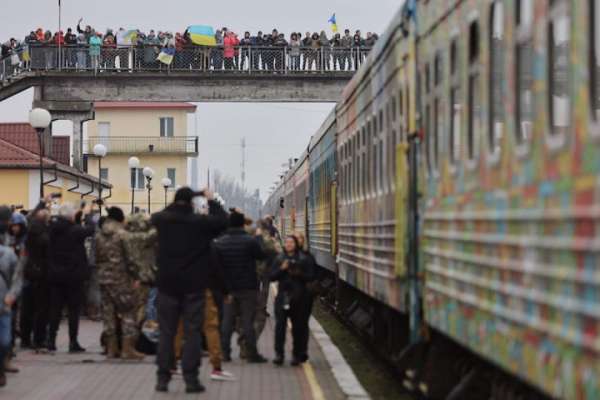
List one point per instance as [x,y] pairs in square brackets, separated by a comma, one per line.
[89,376]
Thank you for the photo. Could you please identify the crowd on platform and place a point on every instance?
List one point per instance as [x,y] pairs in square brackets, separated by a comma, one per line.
[85,48]
[160,284]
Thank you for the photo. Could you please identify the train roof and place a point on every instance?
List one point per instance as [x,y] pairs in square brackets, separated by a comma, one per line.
[323,129]
[400,20]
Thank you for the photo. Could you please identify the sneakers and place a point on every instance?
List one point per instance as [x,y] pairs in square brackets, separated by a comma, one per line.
[162,385]
[194,387]
[278,360]
[221,375]
[295,362]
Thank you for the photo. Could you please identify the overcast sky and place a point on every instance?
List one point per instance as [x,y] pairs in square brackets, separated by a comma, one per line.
[274,132]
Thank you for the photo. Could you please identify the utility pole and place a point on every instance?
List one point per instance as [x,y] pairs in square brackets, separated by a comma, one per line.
[243,173]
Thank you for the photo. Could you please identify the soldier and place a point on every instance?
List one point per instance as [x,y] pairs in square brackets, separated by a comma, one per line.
[272,248]
[140,248]
[118,287]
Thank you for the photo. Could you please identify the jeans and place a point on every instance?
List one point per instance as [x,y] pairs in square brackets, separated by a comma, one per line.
[189,307]
[5,337]
[299,313]
[244,305]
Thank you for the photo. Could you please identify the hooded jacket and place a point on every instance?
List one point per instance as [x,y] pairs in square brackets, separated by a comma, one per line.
[11,274]
[184,239]
[67,261]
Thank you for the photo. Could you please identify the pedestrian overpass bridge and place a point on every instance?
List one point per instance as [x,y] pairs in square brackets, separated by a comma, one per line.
[68,80]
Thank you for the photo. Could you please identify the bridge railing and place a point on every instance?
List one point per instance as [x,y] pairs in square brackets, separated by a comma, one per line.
[241,59]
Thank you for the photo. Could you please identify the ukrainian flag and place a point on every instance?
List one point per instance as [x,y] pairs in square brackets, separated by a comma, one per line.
[202,35]
[126,38]
[333,23]
[166,55]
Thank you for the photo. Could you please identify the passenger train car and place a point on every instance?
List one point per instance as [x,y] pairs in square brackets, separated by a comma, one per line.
[453,196]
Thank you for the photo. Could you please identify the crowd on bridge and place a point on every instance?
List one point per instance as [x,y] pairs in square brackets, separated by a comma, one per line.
[85,48]
[159,283]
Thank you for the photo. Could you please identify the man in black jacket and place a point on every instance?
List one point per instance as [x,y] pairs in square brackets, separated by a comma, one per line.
[237,253]
[67,272]
[34,299]
[184,263]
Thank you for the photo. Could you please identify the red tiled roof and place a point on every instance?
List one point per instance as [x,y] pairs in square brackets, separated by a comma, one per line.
[13,156]
[139,105]
[61,149]
[23,135]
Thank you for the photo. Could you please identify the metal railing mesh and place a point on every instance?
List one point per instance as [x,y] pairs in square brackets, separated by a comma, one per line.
[195,58]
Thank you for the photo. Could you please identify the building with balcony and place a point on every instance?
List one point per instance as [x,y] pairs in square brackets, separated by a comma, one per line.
[20,174]
[156,133]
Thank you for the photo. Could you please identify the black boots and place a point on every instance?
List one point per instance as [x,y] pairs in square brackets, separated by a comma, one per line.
[74,347]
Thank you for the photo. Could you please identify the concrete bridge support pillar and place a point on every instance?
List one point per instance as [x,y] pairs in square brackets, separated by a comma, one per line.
[76,112]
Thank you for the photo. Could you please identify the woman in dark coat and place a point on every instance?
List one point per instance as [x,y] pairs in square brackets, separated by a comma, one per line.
[292,272]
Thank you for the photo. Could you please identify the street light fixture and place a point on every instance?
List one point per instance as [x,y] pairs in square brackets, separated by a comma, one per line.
[134,163]
[148,173]
[40,119]
[100,151]
[166,182]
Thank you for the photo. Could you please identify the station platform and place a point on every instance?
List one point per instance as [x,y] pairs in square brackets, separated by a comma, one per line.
[89,376]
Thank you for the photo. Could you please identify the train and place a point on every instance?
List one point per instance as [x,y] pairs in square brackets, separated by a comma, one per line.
[451,198]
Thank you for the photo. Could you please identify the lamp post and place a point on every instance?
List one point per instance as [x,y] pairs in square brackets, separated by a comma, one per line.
[166,182]
[40,119]
[148,173]
[100,151]
[134,163]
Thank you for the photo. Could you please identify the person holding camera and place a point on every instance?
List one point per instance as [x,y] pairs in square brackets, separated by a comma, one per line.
[292,272]
[184,264]
[237,253]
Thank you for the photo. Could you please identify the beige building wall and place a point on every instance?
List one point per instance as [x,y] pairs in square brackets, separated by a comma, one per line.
[135,124]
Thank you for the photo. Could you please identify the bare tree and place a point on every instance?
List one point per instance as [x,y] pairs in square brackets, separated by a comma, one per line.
[235,196]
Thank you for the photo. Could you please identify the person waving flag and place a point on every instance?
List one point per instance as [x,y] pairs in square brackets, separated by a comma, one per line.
[333,23]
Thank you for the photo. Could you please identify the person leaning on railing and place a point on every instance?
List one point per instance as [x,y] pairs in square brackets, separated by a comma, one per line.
[109,47]
[295,45]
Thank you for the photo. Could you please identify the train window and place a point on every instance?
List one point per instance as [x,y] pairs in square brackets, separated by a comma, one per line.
[594,58]
[497,78]
[455,106]
[380,120]
[559,93]
[438,69]
[474,128]
[428,140]
[437,110]
[382,185]
[393,109]
[524,71]
[407,110]
[363,172]
[401,113]
[392,167]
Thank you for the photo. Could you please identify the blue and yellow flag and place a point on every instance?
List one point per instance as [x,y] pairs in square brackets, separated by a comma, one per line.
[202,35]
[166,55]
[333,23]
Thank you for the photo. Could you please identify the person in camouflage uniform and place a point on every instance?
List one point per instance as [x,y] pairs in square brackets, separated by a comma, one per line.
[272,248]
[118,287]
[140,248]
